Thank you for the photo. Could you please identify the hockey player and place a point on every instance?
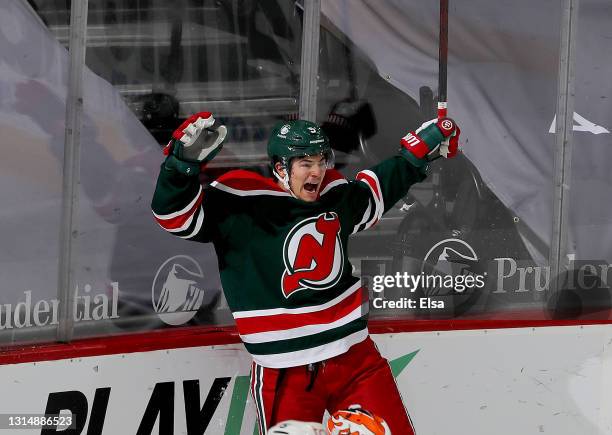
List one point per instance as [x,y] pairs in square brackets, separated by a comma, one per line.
[282,250]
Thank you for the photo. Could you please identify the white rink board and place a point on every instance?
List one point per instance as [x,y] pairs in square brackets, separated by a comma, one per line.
[132,378]
[527,381]
[555,380]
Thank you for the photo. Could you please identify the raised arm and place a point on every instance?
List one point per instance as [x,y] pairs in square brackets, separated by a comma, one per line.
[180,204]
[377,189]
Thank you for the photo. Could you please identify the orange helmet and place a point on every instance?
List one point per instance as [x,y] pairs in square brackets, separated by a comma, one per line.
[356,421]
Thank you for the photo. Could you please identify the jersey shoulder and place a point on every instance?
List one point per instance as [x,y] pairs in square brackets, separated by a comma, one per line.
[333,181]
[241,182]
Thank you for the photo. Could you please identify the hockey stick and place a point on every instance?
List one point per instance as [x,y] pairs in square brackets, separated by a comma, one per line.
[442,71]
[443,59]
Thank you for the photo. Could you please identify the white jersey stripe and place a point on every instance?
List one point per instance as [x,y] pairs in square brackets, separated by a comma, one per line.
[365,218]
[302,331]
[256,390]
[183,227]
[182,211]
[264,419]
[369,178]
[239,192]
[378,198]
[302,310]
[333,184]
[198,225]
[312,355]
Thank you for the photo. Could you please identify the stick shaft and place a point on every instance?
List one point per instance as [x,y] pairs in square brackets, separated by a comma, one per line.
[443,59]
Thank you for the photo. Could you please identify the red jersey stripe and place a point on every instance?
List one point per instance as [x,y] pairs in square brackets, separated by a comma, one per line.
[179,221]
[241,179]
[252,325]
[363,176]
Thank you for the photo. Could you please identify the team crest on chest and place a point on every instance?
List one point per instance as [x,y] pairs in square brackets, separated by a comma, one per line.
[313,254]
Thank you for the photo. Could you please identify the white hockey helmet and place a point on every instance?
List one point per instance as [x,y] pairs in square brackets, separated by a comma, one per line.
[356,421]
[294,427]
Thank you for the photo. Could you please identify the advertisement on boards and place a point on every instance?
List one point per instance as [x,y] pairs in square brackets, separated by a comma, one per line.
[477,382]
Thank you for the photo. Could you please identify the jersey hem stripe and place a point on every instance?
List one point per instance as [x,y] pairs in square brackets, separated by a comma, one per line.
[301,310]
[255,325]
[303,331]
[312,355]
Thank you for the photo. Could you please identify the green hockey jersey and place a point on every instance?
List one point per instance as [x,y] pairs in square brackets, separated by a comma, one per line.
[283,261]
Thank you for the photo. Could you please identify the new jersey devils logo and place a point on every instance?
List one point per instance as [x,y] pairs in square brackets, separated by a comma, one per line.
[313,255]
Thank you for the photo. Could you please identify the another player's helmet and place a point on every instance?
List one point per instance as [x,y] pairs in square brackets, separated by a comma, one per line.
[356,421]
[299,138]
[293,427]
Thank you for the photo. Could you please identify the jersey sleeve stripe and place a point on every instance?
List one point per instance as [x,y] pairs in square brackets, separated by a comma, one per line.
[275,322]
[368,216]
[198,225]
[189,207]
[371,180]
[183,227]
[183,222]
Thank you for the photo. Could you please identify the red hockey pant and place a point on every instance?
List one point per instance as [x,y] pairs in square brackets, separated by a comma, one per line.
[360,376]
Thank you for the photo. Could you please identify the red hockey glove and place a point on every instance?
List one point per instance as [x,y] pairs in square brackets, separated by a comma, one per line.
[428,142]
[195,142]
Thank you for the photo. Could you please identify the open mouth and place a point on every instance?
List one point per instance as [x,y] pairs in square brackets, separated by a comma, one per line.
[310,187]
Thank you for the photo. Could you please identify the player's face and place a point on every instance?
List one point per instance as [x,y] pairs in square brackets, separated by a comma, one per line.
[306,176]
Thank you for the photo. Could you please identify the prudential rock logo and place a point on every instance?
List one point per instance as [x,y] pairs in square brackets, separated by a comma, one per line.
[455,265]
[178,290]
[450,256]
